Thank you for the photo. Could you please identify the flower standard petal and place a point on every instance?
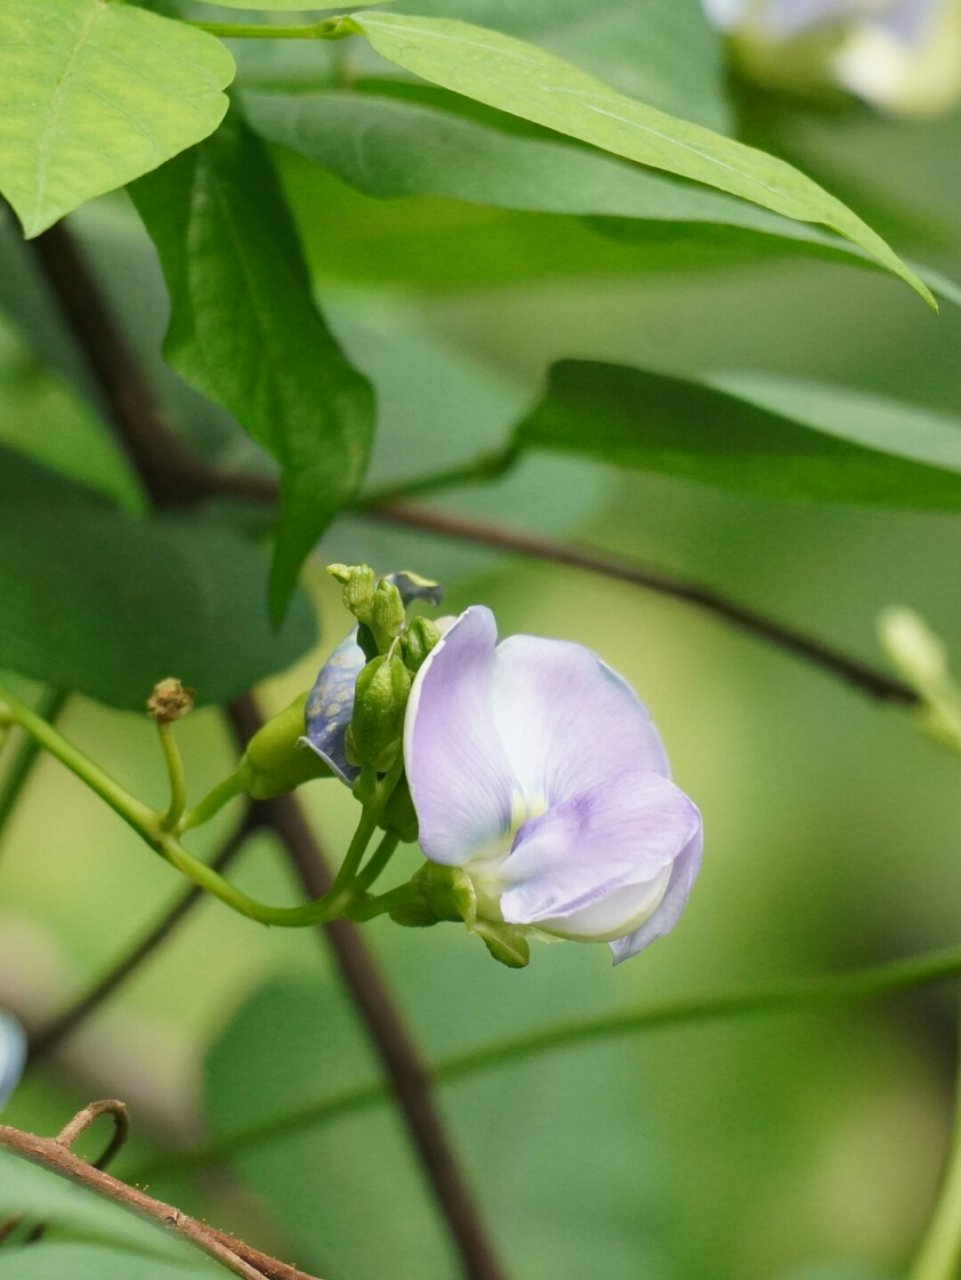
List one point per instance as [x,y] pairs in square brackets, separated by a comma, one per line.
[623,833]
[683,874]
[459,776]
[567,721]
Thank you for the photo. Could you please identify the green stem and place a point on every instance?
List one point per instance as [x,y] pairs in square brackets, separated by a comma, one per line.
[940,1254]
[864,984]
[489,466]
[133,811]
[327,29]
[369,907]
[235,784]
[175,771]
[49,708]
[378,861]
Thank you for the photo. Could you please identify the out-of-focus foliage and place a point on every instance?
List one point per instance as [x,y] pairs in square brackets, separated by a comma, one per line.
[649,333]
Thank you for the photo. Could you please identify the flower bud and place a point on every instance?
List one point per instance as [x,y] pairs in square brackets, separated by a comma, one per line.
[506,943]
[418,640]
[278,759]
[377,725]
[387,614]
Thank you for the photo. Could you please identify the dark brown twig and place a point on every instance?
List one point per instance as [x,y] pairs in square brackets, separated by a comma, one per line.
[54,1154]
[46,1041]
[445,524]
[170,472]
[82,1121]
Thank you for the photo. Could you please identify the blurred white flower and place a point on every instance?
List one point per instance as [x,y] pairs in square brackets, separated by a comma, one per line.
[902,56]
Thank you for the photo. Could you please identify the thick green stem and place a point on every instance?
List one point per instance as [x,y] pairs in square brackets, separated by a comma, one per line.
[26,755]
[940,1254]
[370,907]
[328,29]
[175,772]
[139,816]
[233,785]
[378,861]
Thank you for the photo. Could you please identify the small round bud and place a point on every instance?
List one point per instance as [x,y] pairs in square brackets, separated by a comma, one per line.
[417,642]
[170,701]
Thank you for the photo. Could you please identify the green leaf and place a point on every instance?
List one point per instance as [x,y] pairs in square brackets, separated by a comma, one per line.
[290,6]
[245,332]
[771,437]
[664,52]
[54,1261]
[115,1244]
[96,600]
[95,93]
[527,82]
[390,148]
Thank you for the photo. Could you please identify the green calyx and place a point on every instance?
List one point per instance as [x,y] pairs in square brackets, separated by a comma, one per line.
[277,759]
[447,893]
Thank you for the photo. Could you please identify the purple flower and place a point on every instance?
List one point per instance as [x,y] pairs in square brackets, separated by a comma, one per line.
[13,1055]
[535,768]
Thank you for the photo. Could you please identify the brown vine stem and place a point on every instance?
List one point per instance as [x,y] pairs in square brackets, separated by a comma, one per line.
[877,684]
[54,1155]
[46,1041]
[173,476]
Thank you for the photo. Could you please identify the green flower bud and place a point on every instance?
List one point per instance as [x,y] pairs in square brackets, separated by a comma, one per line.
[380,700]
[278,759]
[506,943]
[359,582]
[417,642]
[387,614]
[399,815]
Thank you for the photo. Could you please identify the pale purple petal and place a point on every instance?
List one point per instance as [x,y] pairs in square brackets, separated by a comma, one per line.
[330,706]
[459,777]
[13,1055]
[684,873]
[908,20]
[621,832]
[567,721]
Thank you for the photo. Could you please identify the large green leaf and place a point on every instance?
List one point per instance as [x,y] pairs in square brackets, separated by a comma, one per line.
[99,601]
[244,330]
[94,93]
[526,81]
[810,444]
[389,147]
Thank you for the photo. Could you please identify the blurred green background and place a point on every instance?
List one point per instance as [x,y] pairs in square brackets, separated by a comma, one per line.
[761,1149]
